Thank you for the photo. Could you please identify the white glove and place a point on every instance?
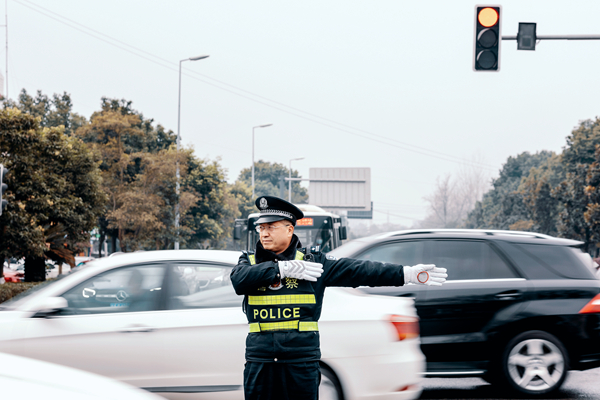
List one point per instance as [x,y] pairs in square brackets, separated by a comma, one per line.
[426,274]
[306,270]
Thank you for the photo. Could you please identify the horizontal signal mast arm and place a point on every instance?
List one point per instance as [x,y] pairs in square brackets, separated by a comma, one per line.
[558,37]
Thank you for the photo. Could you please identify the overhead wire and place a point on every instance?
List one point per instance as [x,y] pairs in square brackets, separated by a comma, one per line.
[396,215]
[194,75]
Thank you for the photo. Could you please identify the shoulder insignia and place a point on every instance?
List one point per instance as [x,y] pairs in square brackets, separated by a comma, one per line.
[332,258]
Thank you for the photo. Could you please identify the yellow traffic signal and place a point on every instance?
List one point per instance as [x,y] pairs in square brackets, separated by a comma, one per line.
[487,17]
[486,56]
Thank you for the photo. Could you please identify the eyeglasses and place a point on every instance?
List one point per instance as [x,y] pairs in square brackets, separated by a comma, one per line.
[268,228]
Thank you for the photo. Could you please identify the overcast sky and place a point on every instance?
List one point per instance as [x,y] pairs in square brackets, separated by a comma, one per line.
[382,84]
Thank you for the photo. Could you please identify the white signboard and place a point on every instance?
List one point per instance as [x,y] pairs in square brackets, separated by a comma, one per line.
[340,188]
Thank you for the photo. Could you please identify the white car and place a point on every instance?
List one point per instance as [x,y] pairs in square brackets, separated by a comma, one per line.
[24,378]
[171,323]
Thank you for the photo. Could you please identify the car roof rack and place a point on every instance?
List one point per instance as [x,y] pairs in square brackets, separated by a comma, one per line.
[489,232]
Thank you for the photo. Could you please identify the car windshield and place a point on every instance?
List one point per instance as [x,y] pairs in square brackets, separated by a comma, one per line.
[348,249]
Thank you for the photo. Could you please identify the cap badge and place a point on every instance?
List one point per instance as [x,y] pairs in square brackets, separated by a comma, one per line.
[263,203]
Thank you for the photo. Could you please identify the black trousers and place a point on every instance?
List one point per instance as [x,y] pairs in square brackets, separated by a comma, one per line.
[282,381]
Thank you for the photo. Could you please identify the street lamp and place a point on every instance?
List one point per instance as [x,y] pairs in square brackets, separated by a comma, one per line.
[290,178]
[196,58]
[253,128]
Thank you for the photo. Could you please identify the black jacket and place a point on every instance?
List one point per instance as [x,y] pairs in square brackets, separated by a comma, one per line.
[293,345]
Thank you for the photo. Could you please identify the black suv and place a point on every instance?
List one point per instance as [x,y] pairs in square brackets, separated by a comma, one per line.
[518,307]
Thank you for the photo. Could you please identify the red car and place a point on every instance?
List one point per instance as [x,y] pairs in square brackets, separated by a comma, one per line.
[10,275]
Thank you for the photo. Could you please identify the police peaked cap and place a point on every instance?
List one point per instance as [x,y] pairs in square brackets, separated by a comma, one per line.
[275,209]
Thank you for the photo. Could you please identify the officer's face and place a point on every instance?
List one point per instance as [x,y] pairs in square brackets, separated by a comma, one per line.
[276,236]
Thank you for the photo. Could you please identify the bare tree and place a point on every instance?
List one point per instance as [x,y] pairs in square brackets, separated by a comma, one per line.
[453,198]
[444,205]
[472,182]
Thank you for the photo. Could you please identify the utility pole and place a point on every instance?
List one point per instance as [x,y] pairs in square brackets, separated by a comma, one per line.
[6,26]
[6,35]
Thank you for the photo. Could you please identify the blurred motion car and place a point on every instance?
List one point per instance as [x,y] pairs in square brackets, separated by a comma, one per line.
[11,275]
[14,263]
[171,323]
[17,270]
[25,378]
[518,308]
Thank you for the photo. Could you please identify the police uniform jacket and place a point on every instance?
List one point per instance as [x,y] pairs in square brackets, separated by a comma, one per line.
[283,314]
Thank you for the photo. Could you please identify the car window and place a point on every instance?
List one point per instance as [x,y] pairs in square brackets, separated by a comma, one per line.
[407,252]
[551,262]
[195,285]
[120,290]
[467,260]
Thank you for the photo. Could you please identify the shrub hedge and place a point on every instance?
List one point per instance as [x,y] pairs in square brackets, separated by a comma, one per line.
[11,289]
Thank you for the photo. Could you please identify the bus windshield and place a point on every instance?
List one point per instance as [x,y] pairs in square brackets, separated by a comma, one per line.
[311,230]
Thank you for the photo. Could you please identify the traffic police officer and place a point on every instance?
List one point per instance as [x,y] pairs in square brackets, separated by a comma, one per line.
[283,290]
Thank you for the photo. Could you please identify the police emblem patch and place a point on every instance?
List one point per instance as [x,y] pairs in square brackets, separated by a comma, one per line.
[291,283]
[263,203]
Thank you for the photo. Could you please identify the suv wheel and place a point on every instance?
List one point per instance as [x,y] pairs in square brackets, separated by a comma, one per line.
[535,362]
[330,388]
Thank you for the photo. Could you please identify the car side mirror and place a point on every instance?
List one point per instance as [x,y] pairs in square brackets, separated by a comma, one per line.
[48,307]
[343,233]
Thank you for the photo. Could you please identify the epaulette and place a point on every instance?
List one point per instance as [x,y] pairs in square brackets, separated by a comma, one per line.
[250,256]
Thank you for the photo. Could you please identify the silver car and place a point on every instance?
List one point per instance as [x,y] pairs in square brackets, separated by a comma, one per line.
[171,323]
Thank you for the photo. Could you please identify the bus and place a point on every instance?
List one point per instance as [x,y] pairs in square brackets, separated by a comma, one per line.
[321,230]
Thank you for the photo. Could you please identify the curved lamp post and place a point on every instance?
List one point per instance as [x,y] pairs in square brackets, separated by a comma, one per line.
[196,58]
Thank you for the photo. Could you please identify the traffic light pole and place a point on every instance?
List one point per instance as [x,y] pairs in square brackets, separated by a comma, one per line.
[488,36]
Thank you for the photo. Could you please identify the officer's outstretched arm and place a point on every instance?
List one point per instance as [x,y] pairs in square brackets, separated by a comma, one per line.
[352,272]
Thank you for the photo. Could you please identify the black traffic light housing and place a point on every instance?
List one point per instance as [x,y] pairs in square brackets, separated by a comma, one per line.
[488,37]
[3,187]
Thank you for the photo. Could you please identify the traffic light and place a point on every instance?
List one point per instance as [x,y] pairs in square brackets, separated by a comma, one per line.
[3,187]
[487,38]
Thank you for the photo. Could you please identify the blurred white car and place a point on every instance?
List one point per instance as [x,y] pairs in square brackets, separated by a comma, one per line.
[24,378]
[170,322]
